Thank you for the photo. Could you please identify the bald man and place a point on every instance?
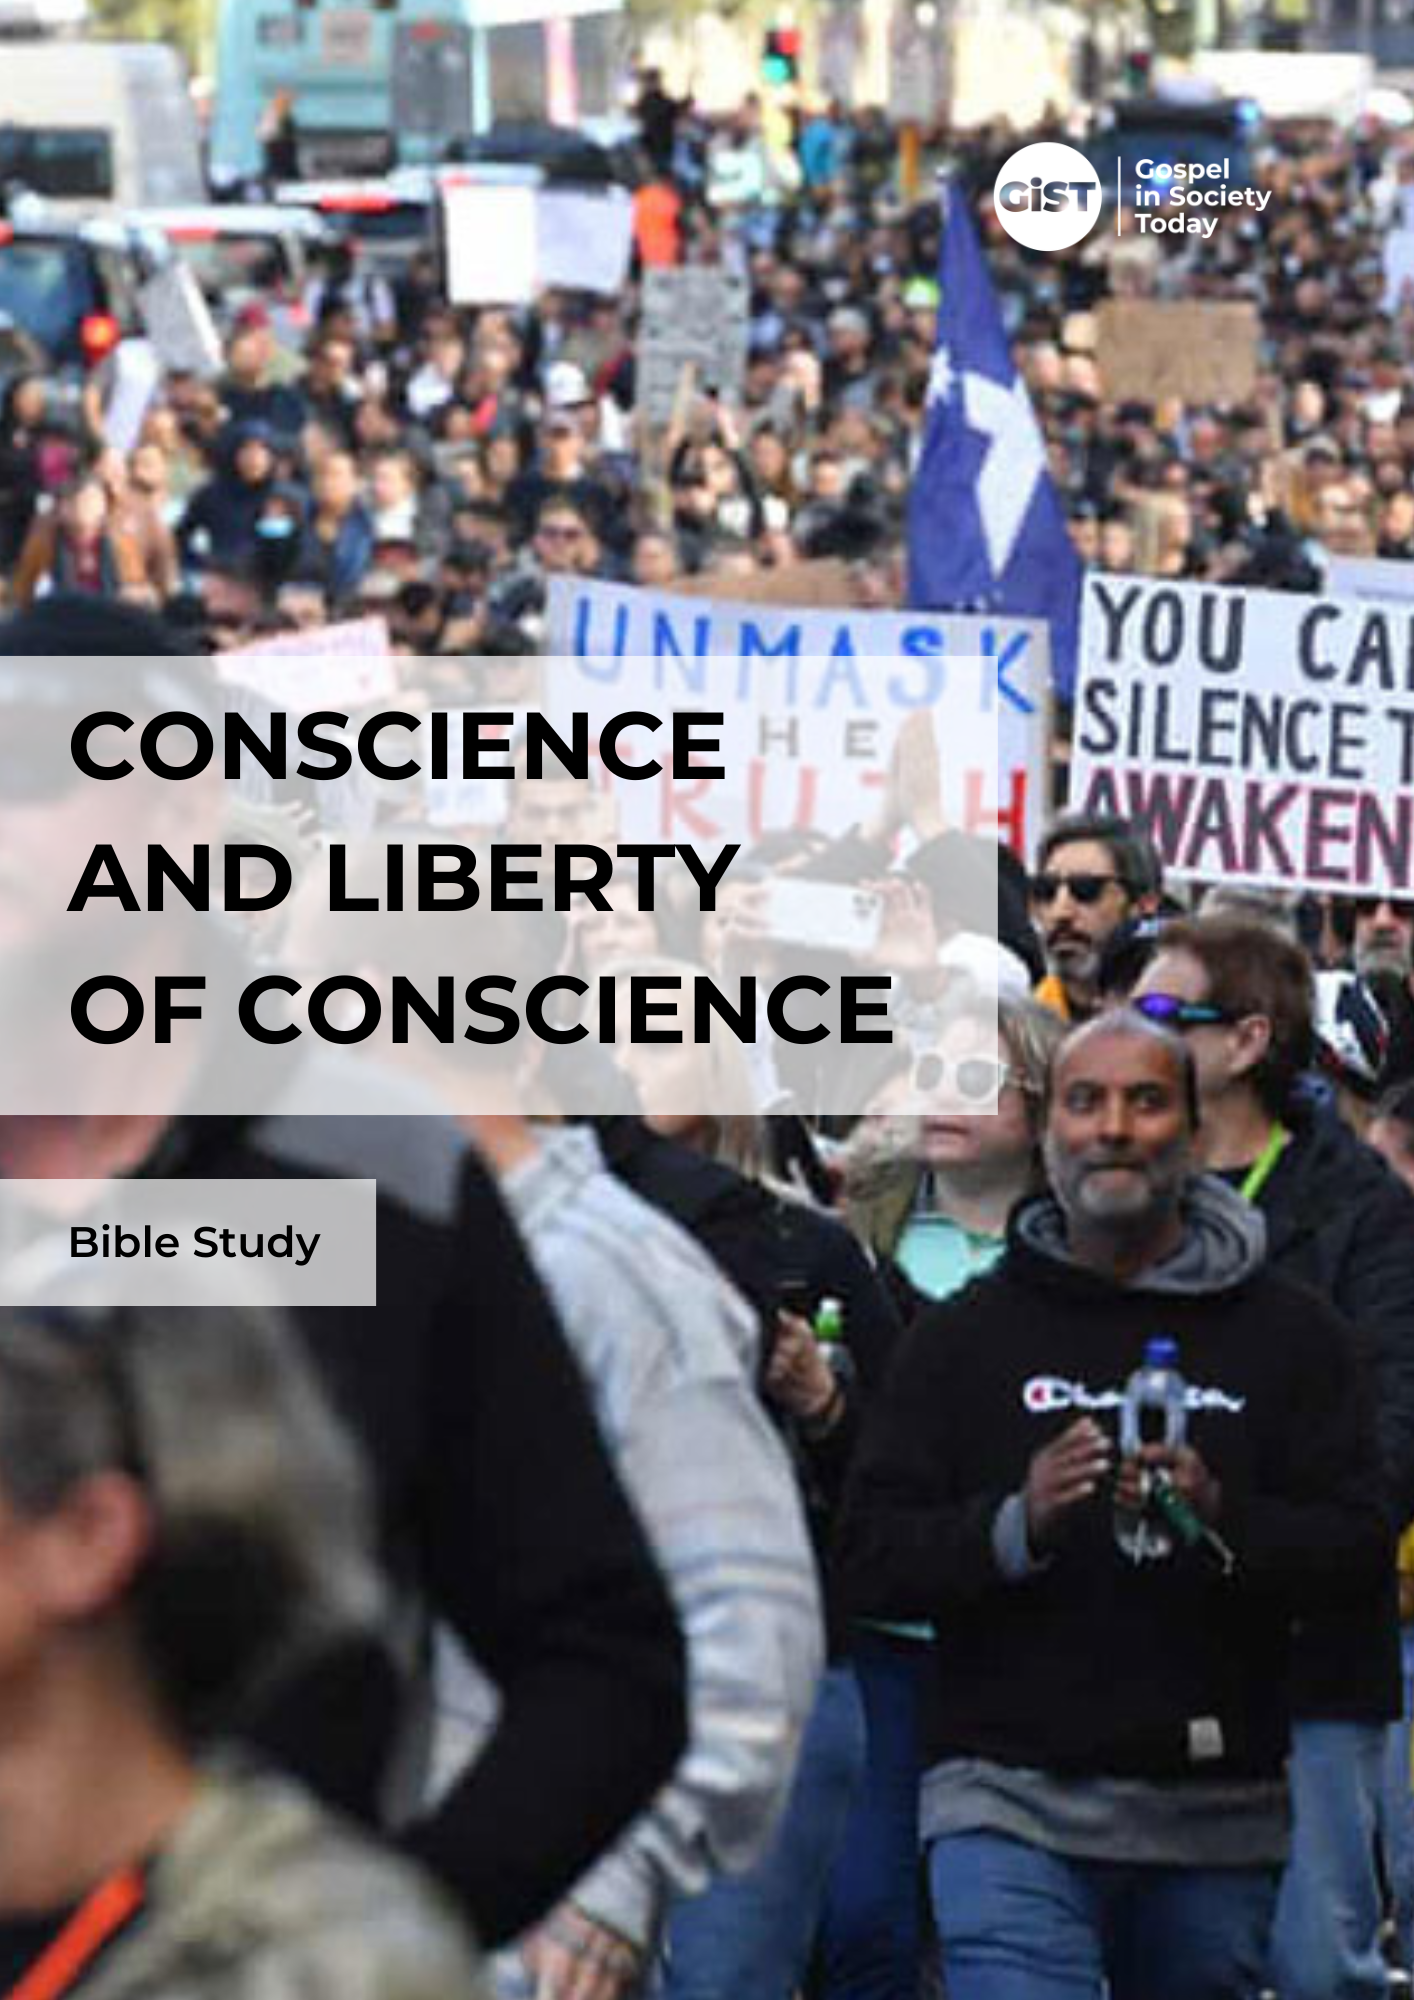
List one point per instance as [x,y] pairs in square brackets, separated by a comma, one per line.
[1105,1802]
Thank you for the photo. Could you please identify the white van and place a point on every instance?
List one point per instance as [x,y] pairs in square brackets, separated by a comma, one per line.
[99,127]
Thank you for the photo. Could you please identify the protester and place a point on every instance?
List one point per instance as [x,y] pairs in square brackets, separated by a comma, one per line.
[559,1602]
[1092,875]
[182,1521]
[1086,1830]
[1241,995]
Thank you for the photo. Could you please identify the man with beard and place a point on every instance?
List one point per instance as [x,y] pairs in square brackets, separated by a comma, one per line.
[1093,873]
[1105,1804]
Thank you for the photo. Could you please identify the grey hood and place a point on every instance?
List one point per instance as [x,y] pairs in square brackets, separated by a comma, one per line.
[1224,1239]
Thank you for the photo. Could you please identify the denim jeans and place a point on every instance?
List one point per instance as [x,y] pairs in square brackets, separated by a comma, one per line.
[1017,1922]
[751,1935]
[1325,1945]
[871,1931]
[1397,1815]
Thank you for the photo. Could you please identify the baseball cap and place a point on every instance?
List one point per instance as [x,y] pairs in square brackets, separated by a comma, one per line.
[566,385]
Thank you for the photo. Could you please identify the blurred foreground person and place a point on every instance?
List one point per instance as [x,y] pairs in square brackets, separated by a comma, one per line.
[1093,1831]
[456,1383]
[181,1520]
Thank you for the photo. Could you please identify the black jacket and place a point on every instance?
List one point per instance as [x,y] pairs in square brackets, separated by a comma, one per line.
[1341,1222]
[776,1252]
[499,1512]
[1094,1666]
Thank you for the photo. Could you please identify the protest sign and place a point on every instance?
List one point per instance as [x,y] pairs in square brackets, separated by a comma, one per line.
[178,321]
[692,318]
[507,236]
[136,375]
[584,239]
[490,236]
[1202,352]
[1370,578]
[458,801]
[1398,268]
[813,701]
[1258,737]
[344,666]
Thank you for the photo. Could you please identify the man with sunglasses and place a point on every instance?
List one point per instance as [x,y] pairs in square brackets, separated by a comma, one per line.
[1104,1801]
[1241,995]
[1383,936]
[1093,873]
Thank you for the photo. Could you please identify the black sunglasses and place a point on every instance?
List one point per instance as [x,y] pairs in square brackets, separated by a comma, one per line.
[1171,1012]
[1085,889]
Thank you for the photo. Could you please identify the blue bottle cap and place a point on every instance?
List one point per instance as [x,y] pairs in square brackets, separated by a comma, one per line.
[1161,1351]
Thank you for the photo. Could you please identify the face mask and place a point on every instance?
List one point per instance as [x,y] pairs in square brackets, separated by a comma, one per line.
[275,528]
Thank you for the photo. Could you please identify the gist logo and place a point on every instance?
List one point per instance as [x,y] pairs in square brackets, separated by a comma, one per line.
[1047,196]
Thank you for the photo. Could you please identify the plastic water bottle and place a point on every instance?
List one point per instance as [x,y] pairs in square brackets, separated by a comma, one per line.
[1154,1411]
[829,1324]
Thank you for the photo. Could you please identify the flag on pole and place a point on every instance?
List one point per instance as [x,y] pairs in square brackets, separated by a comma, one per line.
[986,531]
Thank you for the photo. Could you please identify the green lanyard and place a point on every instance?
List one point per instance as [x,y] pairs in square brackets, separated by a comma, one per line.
[1260,1171]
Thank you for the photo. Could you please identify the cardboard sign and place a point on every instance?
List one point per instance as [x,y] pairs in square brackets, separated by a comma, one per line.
[1257,736]
[813,702]
[694,317]
[1204,352]
[179,323]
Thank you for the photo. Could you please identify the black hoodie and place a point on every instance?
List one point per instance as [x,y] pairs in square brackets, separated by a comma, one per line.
[1338,1220]
[1091,1666]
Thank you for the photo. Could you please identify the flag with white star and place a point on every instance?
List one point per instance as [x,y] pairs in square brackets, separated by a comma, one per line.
[986,531]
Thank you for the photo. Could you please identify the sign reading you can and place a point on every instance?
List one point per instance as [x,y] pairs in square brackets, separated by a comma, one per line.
[1257,736]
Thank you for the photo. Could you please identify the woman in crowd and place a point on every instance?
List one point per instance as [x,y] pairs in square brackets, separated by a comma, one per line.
[929,1181]
[180,1521]
[79,546]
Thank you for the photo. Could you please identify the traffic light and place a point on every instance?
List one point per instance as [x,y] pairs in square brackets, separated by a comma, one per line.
[1138,71]
[780,58]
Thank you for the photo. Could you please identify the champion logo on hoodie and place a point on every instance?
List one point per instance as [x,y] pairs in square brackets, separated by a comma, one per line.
[1042,1395]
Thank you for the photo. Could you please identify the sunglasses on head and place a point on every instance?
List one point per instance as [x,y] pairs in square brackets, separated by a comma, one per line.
[1084,889]
[1171,1012]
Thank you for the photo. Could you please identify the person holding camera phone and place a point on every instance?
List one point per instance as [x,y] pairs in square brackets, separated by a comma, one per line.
[1105,1799]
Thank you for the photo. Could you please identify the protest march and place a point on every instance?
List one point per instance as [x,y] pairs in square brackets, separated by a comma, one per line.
[706,1017]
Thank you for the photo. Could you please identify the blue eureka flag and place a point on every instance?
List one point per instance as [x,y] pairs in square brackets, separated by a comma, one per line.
[986,531]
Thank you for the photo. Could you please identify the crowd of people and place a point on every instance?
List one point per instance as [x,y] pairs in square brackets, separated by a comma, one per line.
[714,1566]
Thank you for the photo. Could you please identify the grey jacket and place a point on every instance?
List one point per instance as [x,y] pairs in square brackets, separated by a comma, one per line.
[262,1895]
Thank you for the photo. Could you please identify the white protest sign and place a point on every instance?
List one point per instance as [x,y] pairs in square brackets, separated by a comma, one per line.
[584,240]
[1257,736]
[491,242]
[134,381]
[473,802]
[1370,577]
[178,321]
[1398,267]
[340,666]
[813,702]
[694,316]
